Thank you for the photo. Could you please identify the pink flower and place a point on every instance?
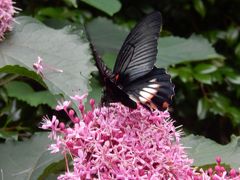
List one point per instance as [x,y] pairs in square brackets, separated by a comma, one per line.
[63,105]
[6,16]
[38,66]
[116,142]
[54,148]
[68,176]
[219,173]
[79,98]
[51,124]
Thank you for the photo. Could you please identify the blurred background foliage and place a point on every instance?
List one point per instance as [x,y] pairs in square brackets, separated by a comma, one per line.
[207,92]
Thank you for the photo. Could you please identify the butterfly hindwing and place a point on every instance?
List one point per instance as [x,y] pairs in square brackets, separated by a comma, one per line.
[154,90]
[138,54]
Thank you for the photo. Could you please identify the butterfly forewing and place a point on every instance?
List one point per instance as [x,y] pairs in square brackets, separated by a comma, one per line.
[138,54]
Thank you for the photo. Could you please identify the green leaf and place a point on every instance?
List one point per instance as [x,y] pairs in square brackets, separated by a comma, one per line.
[237,50]
[174,50]
[232,35]
[235,79]
[234,114]
[105,35]
[52,12]
[205,68]
[24,92]
[108,6]
[202,108]
[27,159]
[23,72]
[13,112]
[8,134]
[173,72]
[238,92]
[204,151]
[211,1]
[203,78]
[211,35]
[185,74]
[199,7]
[219,104]
[217,76]
[109,58]
[71,3]
[59,49]
[53,170]
[108,38]
[59,17]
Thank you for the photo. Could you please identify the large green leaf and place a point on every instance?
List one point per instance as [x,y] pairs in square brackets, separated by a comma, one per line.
[26,160]
[60,49]
[174,50]
[25,92]
[204,151]
[105,35]
[108,38]
[108,6]
[22,72]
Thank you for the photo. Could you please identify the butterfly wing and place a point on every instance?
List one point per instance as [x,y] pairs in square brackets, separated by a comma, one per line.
[104,71]
[138,54]
[154,90]
[112,93]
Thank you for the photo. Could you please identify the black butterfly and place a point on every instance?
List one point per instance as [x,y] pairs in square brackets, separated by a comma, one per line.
[134,78]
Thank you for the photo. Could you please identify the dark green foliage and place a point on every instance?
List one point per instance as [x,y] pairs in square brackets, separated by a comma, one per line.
[22,107]
[199,44]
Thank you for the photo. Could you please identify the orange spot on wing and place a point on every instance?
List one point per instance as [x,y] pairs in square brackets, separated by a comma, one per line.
[165,105]
[117,77]
[153,106]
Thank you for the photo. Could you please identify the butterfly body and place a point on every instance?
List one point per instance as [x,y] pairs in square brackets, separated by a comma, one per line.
[134,78]
[114,93]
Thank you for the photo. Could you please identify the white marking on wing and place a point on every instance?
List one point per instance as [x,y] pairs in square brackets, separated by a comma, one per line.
[153,80]
[143,100]
[150,90]
[133,98]
[146,95]
[154,85]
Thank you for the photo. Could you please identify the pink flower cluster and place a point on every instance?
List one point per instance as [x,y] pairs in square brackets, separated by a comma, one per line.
[116,142]
[218,173]
[6,16]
